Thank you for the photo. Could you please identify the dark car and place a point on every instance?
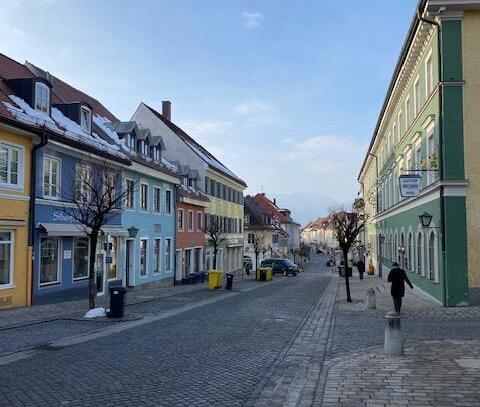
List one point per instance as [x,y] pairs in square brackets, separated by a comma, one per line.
[281,266]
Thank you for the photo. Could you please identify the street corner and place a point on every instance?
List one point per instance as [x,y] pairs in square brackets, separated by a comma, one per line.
[433,373]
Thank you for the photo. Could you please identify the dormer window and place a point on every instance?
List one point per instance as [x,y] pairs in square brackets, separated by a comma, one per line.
[191,182]
[131,141]
[42,97]
[86,119]
[143,147]
[185,182]
[155,153]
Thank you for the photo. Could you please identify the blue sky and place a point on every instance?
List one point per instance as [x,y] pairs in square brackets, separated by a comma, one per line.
[285,93]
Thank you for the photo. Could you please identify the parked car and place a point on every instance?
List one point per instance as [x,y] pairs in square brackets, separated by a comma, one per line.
[281,266]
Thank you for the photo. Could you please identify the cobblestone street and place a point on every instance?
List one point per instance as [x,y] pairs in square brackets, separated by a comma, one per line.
[292,342]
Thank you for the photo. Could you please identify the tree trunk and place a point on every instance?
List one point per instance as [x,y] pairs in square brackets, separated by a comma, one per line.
[91,270]
[347,281]
[215,249]
[256,261]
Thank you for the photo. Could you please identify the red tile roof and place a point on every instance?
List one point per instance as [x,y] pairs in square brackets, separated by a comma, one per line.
[270,207]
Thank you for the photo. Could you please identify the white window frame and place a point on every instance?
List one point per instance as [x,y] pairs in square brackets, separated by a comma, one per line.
[182,212]
[159,259]
[59,262]
[199,216]
[157,199]
[142,196]
[80,168]
[87,126]
[420,254]
[38,87]
[146,257]
[168,268]
[428,75]
[191,228]
[75,279]
[431,149]
[435,256]
[407,113]
[51,159]
[127,180]
[11,242]
[20,170]
[170,202]
[416,96]
[399,116]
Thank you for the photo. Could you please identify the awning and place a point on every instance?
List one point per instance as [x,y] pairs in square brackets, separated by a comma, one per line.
[115,230]
[62,229]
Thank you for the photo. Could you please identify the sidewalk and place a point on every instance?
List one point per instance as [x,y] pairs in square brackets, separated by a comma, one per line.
[441,364]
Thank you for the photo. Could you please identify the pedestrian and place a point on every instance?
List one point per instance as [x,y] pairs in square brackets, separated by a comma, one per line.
[398,277]
[361,268]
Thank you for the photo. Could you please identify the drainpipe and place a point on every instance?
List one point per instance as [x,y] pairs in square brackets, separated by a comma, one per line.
[440,145]
[31,207]
[175,208]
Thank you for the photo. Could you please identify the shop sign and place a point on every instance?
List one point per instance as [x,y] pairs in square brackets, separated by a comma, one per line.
[410,185]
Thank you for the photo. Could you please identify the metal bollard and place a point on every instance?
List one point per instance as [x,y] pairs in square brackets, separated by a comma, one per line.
[393,335]
[372,303]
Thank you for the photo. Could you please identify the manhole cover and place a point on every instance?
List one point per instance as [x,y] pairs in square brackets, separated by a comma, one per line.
[469,363]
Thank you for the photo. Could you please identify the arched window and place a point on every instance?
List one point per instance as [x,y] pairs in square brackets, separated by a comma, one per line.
[410,253]
[419,253]
[431,257]
[395,249]
[401,253]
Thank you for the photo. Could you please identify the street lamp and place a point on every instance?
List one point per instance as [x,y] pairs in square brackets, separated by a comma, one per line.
[425,219]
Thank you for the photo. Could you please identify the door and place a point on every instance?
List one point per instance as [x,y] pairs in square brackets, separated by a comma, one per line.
[130,263]
[100,274]
[188,260]
[197,260]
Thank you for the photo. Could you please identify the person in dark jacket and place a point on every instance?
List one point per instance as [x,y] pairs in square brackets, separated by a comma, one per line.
[398,277]
[361,268]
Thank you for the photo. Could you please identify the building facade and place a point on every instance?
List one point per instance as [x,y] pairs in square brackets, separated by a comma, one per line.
[428,126]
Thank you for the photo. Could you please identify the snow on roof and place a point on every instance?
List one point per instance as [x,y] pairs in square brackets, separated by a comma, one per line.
[58,123]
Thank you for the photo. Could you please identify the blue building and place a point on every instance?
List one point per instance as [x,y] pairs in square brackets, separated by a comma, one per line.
[147,254]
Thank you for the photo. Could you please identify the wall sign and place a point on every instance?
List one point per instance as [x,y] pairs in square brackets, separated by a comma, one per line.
[410,185]
[67,254]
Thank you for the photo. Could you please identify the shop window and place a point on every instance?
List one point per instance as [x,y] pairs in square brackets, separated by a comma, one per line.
[6,259]
[49,270]
[80,258]
[112,266]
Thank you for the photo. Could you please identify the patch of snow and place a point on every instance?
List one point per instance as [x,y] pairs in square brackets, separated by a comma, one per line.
[95,313]
[169,165]
[102,123]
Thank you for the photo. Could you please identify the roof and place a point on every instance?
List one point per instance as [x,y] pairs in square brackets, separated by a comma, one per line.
[255,211]
[319,223]
[401,59]
[201,151]
[270,208]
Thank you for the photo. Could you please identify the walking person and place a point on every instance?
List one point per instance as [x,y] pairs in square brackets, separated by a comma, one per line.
[398,277]
[361,268]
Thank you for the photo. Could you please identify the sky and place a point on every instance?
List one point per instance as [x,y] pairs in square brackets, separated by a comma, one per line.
[286,94]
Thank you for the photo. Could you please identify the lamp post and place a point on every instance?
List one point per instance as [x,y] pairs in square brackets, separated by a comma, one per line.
[132,231]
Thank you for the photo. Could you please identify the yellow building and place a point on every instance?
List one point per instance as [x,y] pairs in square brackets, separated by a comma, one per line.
[15,254]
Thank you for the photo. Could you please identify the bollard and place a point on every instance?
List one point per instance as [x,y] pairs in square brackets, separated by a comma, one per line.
[393,335]
[372,303]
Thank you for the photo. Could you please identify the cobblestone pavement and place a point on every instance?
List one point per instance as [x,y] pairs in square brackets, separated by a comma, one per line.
[214,355]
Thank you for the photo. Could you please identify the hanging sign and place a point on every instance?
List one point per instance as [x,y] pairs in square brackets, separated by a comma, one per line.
[410,185]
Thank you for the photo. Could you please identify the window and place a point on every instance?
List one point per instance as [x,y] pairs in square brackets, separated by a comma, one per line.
[80,258]
[416,96]
[168,257]
[409,264]
[251,238]
[157,194]
[156,255]
[110,186]
[49,261]
[199,221]
[129,198]
[180,219]
[155,153]
[145,147]
[131,141]
[6,259]
[143,257]
[408,113]
[11,165]
[400,125]
[420,253]
[112,266]
[207,185]
[144,197]
[431,257]
[190,221]
[86,119]
[429,76]
[430,152]
[240,230]
[42,97]
[51,171]
[83,187]
[168,201]
[275,239]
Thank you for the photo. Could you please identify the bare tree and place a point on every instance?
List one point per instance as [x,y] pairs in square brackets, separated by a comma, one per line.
[346,227]
[215,230]
[258,247]
[91,201]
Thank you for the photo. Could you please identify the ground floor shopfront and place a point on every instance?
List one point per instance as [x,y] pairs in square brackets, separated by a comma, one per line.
[437,267]
[229,258]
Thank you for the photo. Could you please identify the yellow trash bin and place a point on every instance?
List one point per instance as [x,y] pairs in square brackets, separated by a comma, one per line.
[269,273]
[264,274]
[214,279]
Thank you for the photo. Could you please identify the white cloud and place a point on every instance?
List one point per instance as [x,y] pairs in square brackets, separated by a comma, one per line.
[252,20]
[252,107]
[207,128]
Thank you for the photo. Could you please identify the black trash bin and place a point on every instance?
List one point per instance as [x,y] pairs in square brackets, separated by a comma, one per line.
[341,270]
[263,274]
[229,281]
[117,302]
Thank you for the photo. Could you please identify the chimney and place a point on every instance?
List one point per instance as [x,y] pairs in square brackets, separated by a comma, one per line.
[167,110]
[275,201]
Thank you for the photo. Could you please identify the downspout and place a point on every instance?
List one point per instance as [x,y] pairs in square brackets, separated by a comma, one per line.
[31,207]
[440,147]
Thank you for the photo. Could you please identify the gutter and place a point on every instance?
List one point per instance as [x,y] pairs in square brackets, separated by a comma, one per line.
[31,206]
